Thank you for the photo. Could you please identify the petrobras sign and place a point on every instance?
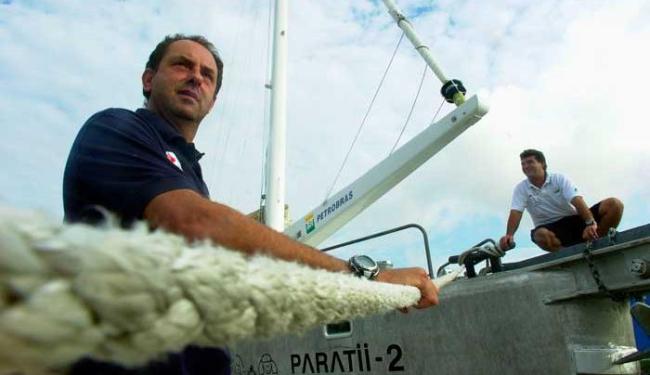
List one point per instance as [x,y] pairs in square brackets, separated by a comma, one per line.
[333,207]
[310,224]
[313,219]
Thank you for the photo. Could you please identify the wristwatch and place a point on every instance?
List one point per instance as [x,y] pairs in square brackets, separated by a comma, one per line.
[364,266]
[590,222]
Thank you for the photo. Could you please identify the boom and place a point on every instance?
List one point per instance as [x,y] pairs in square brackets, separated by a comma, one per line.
[346,204]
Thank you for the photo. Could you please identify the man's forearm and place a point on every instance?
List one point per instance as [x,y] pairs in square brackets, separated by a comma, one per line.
[233,229]
[582,208]
[513,222]
[186,213]
[511,227]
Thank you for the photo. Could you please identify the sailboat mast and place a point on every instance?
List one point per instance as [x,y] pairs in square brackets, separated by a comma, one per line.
[276,155]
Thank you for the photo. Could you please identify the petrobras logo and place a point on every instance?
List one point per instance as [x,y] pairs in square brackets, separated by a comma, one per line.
[173,159]
[334,206]
[309,223]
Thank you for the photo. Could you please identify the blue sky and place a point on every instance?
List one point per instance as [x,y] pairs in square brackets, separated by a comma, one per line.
[567,77]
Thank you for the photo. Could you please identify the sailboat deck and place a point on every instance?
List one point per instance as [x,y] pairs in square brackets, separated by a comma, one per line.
[628,238]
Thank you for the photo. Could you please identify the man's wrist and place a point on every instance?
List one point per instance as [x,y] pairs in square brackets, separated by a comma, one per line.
[364,266]
[590,222]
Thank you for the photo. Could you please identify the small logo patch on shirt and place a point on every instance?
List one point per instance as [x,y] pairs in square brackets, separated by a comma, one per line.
[173,159]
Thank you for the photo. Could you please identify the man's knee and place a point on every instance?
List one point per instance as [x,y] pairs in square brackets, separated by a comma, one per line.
[546,239]
[611,206]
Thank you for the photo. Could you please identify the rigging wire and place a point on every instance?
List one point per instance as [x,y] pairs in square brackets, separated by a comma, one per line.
[231,101]
[415,100]
[365,117]
[438,111]
[249,130]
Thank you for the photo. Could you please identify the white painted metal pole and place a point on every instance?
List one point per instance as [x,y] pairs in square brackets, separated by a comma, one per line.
[422,49]
[410,33]
[276,157]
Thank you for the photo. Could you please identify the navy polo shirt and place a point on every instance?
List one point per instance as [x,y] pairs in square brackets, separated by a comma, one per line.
[121,160]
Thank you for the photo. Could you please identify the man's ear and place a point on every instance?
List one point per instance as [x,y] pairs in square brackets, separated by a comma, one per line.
[147,78]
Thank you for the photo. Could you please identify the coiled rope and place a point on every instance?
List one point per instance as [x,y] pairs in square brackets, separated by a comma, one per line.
[68,291]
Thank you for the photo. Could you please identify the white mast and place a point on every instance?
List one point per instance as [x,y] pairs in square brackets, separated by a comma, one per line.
[276,156]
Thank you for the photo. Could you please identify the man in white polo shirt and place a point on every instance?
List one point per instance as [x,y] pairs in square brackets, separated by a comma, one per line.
[559,212]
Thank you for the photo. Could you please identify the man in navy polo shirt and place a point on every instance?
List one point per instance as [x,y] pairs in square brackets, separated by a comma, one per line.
[143,165]
[559,212]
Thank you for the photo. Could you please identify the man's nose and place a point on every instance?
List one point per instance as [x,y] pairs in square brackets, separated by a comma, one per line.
[195,76]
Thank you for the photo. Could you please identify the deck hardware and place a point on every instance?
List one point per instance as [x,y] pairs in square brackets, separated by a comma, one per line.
[639,267]
[611,235]
[425,238]
[485,250]
[451,88]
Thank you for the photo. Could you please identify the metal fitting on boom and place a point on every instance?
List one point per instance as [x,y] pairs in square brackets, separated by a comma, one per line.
[454,92]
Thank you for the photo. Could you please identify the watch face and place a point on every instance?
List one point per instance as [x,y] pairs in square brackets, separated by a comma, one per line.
[365,262]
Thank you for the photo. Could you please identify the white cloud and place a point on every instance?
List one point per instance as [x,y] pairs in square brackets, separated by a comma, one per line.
[564,76]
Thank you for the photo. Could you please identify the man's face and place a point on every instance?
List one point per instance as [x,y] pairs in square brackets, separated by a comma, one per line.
[531,167]
[183,86]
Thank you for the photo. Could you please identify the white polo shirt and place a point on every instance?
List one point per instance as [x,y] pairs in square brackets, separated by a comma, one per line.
[547,204]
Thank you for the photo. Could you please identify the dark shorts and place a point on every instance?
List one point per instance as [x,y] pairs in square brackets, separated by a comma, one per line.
[568,229]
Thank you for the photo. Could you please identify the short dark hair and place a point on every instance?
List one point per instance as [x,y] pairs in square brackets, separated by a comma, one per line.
[538,155]
[159,52]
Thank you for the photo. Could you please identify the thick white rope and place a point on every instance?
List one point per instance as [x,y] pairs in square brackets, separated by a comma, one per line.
[68,291]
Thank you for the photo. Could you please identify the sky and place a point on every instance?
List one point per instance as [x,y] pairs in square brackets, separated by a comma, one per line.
[566,77]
